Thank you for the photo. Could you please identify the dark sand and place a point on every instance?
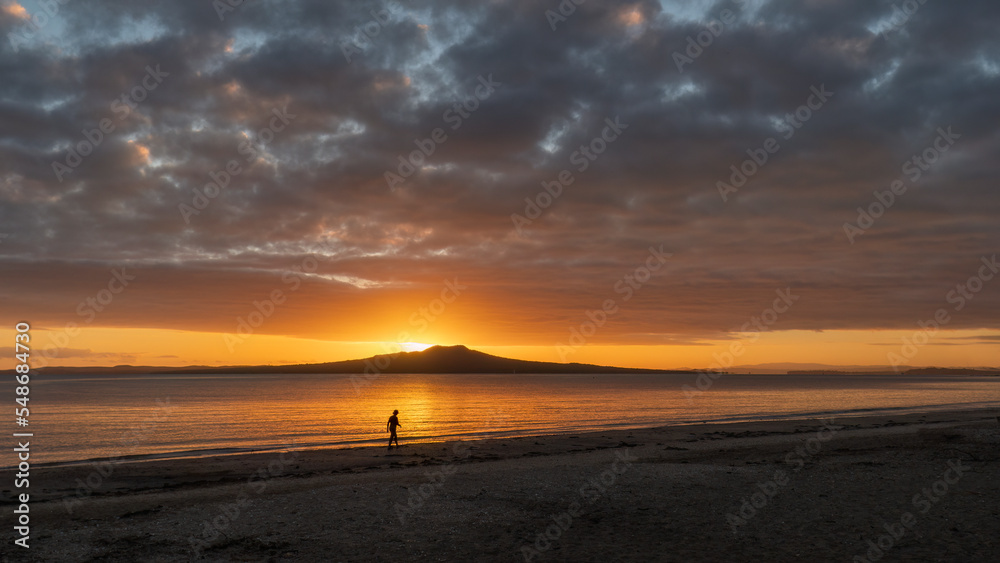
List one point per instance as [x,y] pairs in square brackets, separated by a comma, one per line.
[666,499]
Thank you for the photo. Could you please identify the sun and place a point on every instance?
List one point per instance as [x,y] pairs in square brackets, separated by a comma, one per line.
[414,346]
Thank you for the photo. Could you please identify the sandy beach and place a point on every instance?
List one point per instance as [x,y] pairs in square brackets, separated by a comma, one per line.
[921,487]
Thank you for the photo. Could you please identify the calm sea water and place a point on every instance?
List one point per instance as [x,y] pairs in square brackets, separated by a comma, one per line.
[76,418]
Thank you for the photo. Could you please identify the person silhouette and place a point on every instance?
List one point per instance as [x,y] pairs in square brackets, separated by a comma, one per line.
[391,428]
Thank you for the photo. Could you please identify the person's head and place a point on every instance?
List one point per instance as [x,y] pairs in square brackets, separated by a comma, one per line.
[395,412]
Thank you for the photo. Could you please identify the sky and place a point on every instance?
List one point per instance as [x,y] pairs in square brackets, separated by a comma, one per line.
[641,183]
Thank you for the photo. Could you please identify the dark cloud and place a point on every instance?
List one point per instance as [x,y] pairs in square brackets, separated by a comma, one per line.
[78,353]
[319,185]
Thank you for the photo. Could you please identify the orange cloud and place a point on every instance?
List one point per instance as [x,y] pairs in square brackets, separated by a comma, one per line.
[16,10]
[632,17]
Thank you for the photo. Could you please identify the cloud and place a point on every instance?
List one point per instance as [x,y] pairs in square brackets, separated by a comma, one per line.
[319,186]
[76,353]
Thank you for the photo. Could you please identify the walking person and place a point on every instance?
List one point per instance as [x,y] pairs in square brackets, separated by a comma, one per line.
[391,428]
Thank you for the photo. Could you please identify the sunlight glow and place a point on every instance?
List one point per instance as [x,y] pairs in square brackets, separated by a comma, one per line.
[631,17]
[414,346]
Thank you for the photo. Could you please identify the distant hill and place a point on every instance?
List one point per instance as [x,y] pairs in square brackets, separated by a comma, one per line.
[460,359]
[436,359]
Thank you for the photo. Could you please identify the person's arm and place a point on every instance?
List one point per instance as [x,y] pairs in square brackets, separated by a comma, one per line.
[387,426]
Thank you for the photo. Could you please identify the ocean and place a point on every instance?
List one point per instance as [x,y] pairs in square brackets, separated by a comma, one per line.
[77,418]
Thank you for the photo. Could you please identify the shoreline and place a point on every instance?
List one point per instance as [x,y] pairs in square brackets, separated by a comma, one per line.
[353,445]
[667,494]
[343,457]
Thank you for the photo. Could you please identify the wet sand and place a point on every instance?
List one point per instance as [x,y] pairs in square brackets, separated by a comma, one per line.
[813,490]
